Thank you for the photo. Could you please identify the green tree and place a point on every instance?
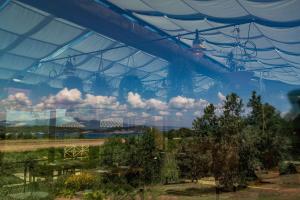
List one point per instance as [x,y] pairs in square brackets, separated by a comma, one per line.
[271,141]
[194,158]
[149,156]
[231,122]
[113,153]
[169,171]
[207,125]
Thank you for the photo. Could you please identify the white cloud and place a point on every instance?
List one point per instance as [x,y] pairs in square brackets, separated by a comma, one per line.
[107,102]
[63,99]
[156,104]
[135,100]
[164,113]
[178,114]
[18,101]
[145,115]
[221,96]
[131,114]
[198,113]
[180,102]
[145,109]
[68,96]
[157,118]
[73,98]
[201,104]
[219,109]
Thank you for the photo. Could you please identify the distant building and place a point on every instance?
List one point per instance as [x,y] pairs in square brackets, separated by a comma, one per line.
[111,123]
[71,125]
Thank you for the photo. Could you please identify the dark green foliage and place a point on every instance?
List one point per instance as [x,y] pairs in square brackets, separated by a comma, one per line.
[238,144]
[149,156]
[169,170]
[180,133]
[194,158]
[287,168]
[9,179]
[140,155]
[270,132]
[206,125]
[231,122]
[113,153]
[94,156]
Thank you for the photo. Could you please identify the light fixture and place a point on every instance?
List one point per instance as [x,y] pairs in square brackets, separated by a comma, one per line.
[69,68]
[100,85]
[198,44]
[18,78]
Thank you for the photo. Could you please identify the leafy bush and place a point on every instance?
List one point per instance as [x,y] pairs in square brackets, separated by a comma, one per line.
[287,168]
[95,195]
[9,179]
[80,182]
[30,196]
[170,169]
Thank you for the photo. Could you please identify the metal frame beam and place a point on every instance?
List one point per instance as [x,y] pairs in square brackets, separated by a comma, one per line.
[103,20]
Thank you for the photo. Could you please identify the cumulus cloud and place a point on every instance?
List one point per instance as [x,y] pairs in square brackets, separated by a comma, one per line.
[135,100]
[180,102]
[68,96]
[18,101]
[201,103]
[157,118]
[164,113]
[221,96]
[73,99]
[145,115]
[131,114]
[107,102]
[178,114]
[63,99]
[156,104]
[198,113]
[145,109]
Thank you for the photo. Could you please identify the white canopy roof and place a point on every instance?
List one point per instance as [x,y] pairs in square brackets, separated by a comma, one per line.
[272,25]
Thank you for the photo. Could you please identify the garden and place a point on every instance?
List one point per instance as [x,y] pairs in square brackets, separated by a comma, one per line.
[231,154]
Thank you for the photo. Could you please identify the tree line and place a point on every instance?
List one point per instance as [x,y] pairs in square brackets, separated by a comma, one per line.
[230,146]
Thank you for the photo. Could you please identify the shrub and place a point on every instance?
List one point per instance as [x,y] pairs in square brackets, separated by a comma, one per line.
[80,182]
[30,196]
[95,195]
[287,168]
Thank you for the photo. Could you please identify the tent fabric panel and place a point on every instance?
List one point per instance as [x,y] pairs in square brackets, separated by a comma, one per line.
[33,48]
[6,74]
[155,65]
[283,35]
[94,42]
[173,7]
[137,60]
[93,64]
[216,8]
[26,19]
[10,61]
[118,54]
[116,70]
[57,33]
[161,22]
[282,11]
[132,5]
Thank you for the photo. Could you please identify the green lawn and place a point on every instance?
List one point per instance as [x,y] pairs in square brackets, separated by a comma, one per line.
[282,188]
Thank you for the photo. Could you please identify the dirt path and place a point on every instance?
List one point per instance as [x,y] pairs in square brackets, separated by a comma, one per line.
[29,145]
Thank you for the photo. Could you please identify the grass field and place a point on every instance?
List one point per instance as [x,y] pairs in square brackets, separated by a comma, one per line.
[31,145]
[281,188]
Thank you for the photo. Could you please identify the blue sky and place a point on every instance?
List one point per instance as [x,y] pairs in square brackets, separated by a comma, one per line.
[177,111]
